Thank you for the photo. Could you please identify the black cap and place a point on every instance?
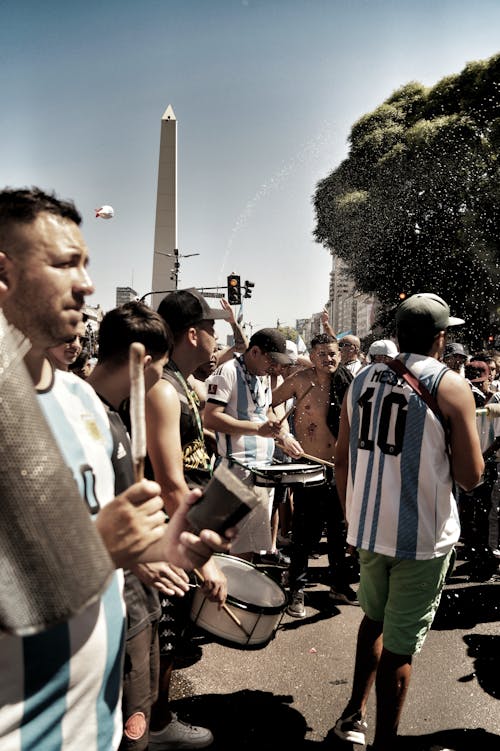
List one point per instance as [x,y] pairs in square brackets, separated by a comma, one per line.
[273,343]
[454,348]
[187,307]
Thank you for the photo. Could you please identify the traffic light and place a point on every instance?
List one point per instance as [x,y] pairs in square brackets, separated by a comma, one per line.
[249,289]
[402,296]
[233,289]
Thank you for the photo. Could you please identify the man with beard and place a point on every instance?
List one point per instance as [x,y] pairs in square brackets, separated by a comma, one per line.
[318,393]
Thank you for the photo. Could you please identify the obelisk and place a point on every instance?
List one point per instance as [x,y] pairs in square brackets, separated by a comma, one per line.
[165,242]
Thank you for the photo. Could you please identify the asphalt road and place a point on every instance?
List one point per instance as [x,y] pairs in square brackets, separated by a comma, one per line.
[289,693]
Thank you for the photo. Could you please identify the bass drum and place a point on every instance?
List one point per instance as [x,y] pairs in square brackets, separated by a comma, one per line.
[288,474]
[256,600]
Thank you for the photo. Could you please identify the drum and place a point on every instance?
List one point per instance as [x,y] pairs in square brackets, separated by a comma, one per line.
[256,600]
[289,474]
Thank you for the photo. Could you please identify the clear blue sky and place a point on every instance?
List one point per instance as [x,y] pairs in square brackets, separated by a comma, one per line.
[265,93]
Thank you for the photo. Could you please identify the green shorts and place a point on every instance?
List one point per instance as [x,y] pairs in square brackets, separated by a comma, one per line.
[404,594]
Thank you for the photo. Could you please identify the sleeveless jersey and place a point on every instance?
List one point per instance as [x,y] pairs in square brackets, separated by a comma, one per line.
[195,459]
[62,688]
[399,489]
[244,397]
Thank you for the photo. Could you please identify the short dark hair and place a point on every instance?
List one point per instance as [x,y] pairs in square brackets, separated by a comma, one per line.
[417,341]
[22,206]
[323,339]
[133,322]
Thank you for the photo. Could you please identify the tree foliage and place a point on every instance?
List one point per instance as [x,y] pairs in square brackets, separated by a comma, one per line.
[415,205]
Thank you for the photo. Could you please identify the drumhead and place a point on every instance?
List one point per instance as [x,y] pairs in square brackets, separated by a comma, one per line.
[250,588]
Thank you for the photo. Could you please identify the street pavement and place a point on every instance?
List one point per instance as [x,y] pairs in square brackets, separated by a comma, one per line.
[289,693]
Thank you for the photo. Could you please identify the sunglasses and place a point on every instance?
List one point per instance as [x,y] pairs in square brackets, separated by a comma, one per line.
[345,344]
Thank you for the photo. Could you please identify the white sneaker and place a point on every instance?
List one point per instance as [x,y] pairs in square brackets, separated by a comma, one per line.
[179,735]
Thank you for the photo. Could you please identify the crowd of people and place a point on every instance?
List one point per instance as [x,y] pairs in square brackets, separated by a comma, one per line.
[405,436]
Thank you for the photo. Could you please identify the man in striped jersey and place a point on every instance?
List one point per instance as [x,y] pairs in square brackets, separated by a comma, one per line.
[393,475]
[61,686]
[239,410]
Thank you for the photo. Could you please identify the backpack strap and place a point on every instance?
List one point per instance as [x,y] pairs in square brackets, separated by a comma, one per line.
[401,370]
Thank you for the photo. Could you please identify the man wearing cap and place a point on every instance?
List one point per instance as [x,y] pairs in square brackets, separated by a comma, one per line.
[350,347]
[382,350]
[455,357]
[238,410]
[179,460]
[394,474]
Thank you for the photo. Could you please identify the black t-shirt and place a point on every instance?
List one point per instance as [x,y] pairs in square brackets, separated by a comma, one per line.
[142,602]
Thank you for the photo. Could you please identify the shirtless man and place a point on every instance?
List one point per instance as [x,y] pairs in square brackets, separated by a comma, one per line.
[318,393]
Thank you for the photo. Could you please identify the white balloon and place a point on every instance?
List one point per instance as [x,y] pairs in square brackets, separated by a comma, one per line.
[105,212]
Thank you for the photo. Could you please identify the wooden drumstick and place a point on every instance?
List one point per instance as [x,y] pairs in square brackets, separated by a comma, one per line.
[137,408]
[299,399]
[225,607]
[318,461]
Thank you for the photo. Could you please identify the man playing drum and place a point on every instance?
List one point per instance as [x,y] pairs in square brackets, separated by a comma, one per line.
[318,393]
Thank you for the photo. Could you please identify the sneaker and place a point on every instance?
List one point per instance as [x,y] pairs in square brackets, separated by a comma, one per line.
[275,558]
[296,605]
[179,735]
[352,729]
[345,593]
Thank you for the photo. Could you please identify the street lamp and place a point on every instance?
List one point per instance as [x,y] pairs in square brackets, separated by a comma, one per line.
[176,255]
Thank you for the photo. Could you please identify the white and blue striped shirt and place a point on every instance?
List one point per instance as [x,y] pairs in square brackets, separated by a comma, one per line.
[61,689]
[228,386]
[399,490]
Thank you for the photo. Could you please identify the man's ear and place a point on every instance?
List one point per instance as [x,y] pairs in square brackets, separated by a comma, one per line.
[147,361]
[5,267]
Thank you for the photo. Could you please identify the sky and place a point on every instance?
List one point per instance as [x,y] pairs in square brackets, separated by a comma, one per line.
[265,93]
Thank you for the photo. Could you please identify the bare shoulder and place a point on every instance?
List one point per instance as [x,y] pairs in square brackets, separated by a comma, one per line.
[162,395]
[454,394]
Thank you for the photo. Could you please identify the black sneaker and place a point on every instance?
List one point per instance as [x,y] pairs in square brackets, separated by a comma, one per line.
[352,729]
[296,605]
[344,593]
[276,558]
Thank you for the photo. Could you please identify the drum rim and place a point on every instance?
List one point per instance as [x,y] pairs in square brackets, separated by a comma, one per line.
[260,609]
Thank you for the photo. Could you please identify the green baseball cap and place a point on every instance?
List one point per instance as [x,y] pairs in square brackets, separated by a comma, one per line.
[425,310]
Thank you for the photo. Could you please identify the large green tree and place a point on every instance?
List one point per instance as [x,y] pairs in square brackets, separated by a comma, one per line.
[416,204]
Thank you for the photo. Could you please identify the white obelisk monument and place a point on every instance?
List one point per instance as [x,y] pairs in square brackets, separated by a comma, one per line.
[165,268]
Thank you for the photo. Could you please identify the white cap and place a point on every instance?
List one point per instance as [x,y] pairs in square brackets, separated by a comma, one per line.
[383,347]
[291,350]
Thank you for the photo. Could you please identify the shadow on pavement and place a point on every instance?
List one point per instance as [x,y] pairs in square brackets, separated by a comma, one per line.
[456,739]
[465,607]
[485,650]
[248,721]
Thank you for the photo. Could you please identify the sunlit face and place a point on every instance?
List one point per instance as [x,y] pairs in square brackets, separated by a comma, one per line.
[348,349]
[260,363]
[207,340]
[65,354]
[47,280]
[325,357]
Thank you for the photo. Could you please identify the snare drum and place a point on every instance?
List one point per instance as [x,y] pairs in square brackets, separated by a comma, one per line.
[256,600]
[289,474]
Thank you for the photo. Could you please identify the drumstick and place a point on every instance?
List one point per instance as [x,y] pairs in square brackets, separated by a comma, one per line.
[492,410]
[299,399]
[225,607]
[137,408]
[318,461]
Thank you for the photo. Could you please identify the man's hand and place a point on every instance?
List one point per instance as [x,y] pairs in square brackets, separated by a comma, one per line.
[214,586]
[269,429]
[163,576]
[290,445]
[131,522]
